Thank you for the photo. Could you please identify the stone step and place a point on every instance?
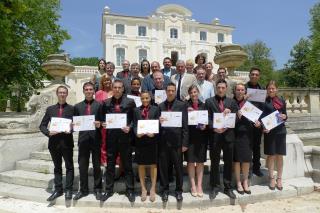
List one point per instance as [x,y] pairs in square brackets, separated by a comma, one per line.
[42,180]
[292,188]
[45,155]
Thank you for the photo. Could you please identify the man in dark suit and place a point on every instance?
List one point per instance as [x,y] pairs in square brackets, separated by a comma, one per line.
[119,140]
[89,142]
[125,73]
[221,139]
[253,83]
[174,141]
[60,144]
[167,67]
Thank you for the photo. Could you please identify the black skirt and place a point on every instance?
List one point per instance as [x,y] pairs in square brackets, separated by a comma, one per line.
[197,150]
[243,148]
[275,144]
[146,151]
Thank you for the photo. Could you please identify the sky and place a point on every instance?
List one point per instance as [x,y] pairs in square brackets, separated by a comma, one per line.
[278,23]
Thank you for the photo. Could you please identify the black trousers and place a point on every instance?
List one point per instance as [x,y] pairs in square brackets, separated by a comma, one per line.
[57,153]
[85,148]
[119,144]
[217,145]
[256,143]
[167,155]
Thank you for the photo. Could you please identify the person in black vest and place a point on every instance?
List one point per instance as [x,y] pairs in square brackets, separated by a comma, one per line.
[60,144]
[196,154]
[275,139]
[146,145]
[119,140]
[221,139]
[174,141]
[253,83]
[243,145]
[89,142]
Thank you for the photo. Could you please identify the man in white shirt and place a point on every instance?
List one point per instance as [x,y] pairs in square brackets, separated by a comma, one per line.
[206,88]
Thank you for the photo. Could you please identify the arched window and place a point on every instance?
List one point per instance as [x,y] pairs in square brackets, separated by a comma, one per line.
[173,33]
[142,54]
[120,53]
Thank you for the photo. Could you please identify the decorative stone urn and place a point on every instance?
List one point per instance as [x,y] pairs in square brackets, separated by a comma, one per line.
[230,56]
[58,66]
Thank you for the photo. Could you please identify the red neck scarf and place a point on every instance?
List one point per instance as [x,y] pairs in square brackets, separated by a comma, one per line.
[277,103]
[145,112]
[241,103]
[195,105]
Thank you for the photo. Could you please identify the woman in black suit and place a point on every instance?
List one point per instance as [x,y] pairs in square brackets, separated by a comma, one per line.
[198,140]
[146,145]
[275,139]
[243,144]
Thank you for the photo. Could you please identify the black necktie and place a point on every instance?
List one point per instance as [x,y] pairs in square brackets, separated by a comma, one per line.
[179,85]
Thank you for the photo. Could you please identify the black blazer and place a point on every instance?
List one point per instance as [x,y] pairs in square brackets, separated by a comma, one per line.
[175,136]
[154,114]
[62,139]
[268,108]
[212,105]
[126,106]
[79,110]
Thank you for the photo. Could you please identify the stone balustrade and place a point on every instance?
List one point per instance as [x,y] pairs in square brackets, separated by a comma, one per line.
[301,100]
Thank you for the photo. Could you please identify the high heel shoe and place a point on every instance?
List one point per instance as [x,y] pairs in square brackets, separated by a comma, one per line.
[279,187]
[193,193]
[152,197]
[271,187]
[143,196]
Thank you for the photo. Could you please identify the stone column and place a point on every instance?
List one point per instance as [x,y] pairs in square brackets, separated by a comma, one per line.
[314,106]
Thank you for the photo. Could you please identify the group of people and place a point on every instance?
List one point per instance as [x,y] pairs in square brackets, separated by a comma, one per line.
[187,88]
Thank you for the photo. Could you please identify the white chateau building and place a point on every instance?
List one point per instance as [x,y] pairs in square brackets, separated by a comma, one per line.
[169,31]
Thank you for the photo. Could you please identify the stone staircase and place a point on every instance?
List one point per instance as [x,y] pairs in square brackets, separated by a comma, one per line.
[32,179]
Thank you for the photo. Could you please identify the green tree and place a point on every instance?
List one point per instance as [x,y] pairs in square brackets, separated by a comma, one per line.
[79,61]
[29,32]
[314,54]
[296,71]
[259,55]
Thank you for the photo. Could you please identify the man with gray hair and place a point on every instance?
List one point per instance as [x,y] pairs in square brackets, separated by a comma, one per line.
[125,73]
[148,81]
[183,81]
[206,88]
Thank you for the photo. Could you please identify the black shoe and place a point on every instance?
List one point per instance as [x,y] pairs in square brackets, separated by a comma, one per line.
[247,192]
[230,193]
[179,196]
[98,195]
[80,195]
[131,197]
[213,194]
[55,195]
[240,192]
[106,195]
[258,173]
[165,196]
[68,195]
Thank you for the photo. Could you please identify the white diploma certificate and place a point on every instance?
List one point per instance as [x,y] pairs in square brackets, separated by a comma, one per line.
[198,117]
[137,100]
[84,123]
[272,120]
[148,126]
[172,119]
[116,120]
[224,121]
[60,124]
[159,96]
[257,95]
[250,111]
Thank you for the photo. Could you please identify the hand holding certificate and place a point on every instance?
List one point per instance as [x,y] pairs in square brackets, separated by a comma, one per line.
[257,95]
[137,100]
[116,120]
[221,120]
[272,120]
[148,127]
[171,119]
[159,96]
[251,112]
[84,123]
[60,125]
[198,117]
